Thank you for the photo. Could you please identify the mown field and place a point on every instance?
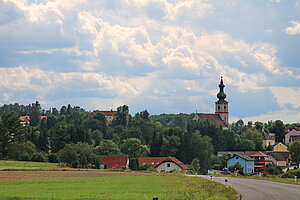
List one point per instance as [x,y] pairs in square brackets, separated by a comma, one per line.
[23,165]
[117,187]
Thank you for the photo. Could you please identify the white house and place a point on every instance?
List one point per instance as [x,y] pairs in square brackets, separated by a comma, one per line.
[165,164]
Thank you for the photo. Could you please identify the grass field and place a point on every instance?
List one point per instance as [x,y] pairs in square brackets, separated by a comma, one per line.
[8,164]
[116,187]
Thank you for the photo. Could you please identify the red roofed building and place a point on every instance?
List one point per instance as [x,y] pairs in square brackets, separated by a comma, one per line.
[163,163]
[211,118]
[114,161]
[24,119]
[109,115]
[260,159]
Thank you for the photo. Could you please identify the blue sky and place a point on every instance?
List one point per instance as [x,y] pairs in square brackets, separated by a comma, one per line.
[161,55]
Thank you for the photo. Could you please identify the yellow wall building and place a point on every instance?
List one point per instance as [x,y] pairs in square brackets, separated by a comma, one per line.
[280,148]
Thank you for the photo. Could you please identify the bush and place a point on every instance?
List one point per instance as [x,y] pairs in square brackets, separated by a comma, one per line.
[52,157]
[291,174]
[21,151]
[133,164]
[147,167]
[39,157]
[236,166]
[273,169]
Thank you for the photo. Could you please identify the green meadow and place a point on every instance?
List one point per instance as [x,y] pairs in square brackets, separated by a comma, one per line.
[25,165]
[119,188]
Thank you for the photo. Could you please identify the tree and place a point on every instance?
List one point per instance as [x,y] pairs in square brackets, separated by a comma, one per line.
[247,145]
[277,127]
[121,115]
[107,147]
[202,149]
[22,151]
[156,144]
[134,148]
[255,137]
[35,114]
[170,146]
[145,114]
[259,126]
[77,155]
[294,148]
[11,131]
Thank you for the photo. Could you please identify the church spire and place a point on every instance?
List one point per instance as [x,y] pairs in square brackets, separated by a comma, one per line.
[221,95]
[222,104]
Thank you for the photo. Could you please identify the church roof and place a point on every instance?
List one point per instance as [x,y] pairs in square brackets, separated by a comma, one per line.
[212,118]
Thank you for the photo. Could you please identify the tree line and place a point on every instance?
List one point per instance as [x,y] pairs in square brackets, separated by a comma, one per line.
[75,136]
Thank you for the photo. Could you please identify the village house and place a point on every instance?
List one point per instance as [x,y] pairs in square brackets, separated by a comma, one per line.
[291,136]
[25,120]
[281,159]
[165,164]
[245,161]
[109,114]
[261,160]
[280,147]
[220,117]
[113,161]
[268,139]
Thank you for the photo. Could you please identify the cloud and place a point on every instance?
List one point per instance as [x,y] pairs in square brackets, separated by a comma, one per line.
[287,96]
[294,29]
[160,55]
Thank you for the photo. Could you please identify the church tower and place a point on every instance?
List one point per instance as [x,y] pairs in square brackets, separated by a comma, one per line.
[222,104]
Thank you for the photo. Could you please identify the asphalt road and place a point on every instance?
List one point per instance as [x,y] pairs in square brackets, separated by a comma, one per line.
[252,189]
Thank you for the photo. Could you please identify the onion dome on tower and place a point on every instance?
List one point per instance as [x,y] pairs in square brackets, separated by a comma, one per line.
[222,104]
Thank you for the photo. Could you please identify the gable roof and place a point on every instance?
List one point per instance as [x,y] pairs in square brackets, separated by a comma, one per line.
[229,153]
[280,144]
[279,156]
[259,153]
[114,161]
[25,118]
[293,132]
[211,118]
[105,112]
[245,157]
[156,161]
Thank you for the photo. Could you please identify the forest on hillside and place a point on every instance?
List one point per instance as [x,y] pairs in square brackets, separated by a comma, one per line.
[74,136]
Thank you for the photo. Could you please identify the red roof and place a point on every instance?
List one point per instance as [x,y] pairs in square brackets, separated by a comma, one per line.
[156,161]
[114,161]
[25,118]
[212,118]
[104,112]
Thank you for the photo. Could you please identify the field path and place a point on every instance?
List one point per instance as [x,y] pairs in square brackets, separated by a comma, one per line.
[253,189]
[26,175]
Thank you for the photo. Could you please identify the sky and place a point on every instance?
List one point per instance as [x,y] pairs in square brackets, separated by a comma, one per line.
[165,56]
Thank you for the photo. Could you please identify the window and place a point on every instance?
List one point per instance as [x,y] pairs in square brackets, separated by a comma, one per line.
[218,107]
[224,107]
[168,165]
[237,157]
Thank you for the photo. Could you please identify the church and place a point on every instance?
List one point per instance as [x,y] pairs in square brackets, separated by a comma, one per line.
[220,118]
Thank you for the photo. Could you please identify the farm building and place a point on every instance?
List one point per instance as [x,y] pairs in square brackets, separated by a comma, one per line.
[113,161]
[166,164]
